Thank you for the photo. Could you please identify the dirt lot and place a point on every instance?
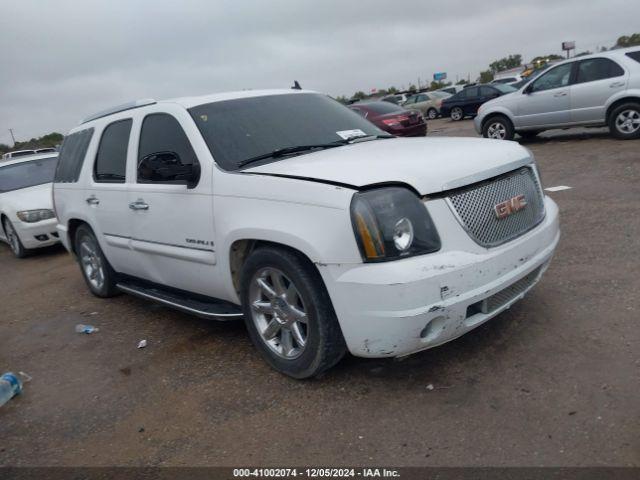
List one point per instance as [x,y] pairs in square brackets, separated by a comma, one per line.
[553,381]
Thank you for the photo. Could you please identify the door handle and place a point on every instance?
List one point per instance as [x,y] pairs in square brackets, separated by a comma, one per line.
[616,84]
[92,200]
[560,94]
[139,205]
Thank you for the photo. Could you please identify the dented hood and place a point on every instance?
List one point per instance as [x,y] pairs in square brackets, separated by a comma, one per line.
[429,165]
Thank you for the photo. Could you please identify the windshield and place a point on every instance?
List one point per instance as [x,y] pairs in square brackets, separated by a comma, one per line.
[504,88]
[237,130]
[27,174]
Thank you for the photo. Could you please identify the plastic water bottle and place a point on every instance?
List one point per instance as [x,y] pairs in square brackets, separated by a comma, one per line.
[10,386]
[80,328]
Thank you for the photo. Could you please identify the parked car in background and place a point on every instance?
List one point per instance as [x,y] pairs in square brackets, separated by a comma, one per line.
[17,153]
[320,230]
[452,89]
[602,89]
[427,102]
[398,98]
[392,118]
[466,102]
[507,80]
[27,219]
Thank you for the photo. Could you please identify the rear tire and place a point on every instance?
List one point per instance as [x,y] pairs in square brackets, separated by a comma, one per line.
[457,114]
[624,121]
[498,127]
[288,313]
[432,114]
[14,240]
[100,277]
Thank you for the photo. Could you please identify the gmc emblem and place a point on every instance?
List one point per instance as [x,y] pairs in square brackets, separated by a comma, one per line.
[511,206]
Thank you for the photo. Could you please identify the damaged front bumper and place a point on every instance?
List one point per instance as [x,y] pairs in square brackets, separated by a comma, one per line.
[401,307]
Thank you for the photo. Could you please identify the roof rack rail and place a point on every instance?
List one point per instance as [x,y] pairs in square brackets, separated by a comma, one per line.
[120,108]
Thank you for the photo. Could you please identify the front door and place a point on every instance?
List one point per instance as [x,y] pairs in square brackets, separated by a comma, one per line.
[547,101]
[171,206]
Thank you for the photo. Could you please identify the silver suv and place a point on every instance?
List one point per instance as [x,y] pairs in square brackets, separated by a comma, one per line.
[602,89]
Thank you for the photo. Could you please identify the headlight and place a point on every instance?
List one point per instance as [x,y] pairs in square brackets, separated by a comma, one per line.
[32,216]
[391,223]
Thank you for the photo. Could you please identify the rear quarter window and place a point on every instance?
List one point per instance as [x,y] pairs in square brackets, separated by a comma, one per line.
[71,158]
[634,55]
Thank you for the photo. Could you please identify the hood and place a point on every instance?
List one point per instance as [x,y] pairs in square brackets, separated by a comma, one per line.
[30,198]
[429,165]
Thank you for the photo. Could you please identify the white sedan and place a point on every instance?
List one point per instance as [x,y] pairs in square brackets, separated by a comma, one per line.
[27,219]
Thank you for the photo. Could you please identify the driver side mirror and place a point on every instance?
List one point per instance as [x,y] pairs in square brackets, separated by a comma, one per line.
[528,89]
[166,167]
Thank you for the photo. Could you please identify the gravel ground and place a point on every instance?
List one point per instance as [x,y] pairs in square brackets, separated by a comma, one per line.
[554,381]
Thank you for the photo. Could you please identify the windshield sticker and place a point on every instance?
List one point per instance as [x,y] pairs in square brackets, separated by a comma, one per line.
[349,134]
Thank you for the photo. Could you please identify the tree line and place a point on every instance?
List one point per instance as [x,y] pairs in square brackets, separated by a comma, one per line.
[50,140]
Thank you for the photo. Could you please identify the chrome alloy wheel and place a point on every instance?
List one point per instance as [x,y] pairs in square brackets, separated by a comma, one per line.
[12,237]
[456,113]
[432,114]
[628,121]
[496,130]
[278,313]
[91,263]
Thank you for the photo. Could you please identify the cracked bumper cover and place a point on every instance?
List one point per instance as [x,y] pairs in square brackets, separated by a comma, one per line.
[384,309]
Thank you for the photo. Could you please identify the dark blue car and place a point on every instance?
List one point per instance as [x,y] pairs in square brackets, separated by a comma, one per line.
[466,102]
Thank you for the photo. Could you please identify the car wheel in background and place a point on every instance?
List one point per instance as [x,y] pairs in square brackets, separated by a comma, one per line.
[14,240]
[457,114]
[432,114]
[498,128]
[289,314]
[528,134]
[95,268]
[624,121]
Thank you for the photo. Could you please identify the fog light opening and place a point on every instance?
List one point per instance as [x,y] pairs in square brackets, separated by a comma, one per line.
[433,329]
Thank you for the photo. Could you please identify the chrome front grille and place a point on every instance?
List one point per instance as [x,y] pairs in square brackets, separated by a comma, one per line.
[475,207]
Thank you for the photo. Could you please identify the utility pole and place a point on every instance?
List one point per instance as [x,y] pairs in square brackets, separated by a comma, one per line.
[12,137]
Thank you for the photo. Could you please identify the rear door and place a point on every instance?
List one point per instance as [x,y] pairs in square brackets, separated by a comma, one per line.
[472,102]
[105,201]
[172,216]
[548,100]
[596,80]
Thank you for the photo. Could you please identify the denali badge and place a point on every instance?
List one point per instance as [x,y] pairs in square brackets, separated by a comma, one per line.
[506,208]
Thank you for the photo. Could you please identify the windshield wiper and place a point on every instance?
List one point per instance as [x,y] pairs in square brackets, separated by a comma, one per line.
[281,152]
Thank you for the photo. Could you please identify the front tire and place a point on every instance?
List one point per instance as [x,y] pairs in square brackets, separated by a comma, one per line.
[498,128]
[624,121]
[96,270]
[288,313]
[14,240]
[457,114]
[432,114]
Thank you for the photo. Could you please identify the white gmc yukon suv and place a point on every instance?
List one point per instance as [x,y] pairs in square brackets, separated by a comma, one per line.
[286,208]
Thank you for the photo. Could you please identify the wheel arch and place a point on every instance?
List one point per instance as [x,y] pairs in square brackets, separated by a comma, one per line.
[629,96]
[496,113]
[240,249]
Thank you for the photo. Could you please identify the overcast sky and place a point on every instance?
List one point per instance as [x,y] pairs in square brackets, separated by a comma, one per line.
[65,59]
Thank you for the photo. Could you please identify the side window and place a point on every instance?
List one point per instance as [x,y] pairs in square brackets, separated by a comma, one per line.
[74,148]
[487,91]
[554,78]
[111,160]
[410,100]
[597,69]
[634,55]
[472,92]
[165,154]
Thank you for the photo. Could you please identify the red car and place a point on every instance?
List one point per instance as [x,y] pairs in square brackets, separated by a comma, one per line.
[392,118]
